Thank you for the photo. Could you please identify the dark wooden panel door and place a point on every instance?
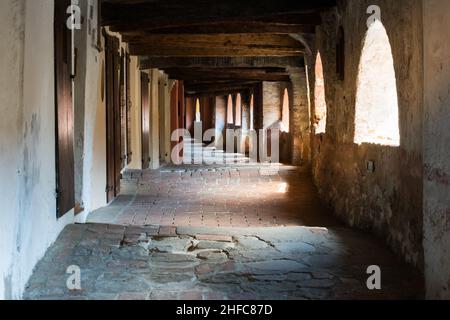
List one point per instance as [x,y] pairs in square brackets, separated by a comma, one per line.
[145,100]
[181,105]
[181,109]
[112,117]
[117,121]
[128,108]
[123,110]
[174,112]
[65,183]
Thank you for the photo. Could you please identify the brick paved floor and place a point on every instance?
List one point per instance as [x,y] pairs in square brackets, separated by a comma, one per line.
[233,196]
[223,232]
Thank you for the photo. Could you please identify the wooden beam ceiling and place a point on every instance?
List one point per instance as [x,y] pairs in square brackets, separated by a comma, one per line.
[150,14]
[199,28]
[216,45]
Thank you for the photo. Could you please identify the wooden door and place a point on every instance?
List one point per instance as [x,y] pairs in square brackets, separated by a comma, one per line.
[65,178]
[123,113]
[181,105]
[128,107]
[174,113]
[117,121]
[113,150]
[145,107]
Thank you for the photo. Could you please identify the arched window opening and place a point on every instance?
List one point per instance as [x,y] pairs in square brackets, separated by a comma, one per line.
[230,119]
[320,116]
[285,112]
[197,111]
[376,113]
[238,121]
[252,114]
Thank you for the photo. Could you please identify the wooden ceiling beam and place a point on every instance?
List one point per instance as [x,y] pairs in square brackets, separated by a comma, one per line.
[250,27]
[250,71]
[218,86]
[210,76]
[220,62]
[214,45]
[219,91]
[243,40]
[154,50]
[224,74]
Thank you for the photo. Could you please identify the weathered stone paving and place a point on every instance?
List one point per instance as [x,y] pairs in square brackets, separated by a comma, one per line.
[218,233]
[119,262]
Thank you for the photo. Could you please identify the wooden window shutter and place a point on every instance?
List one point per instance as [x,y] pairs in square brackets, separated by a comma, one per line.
[65,180]
[123,112]
[145,127]
[113,150]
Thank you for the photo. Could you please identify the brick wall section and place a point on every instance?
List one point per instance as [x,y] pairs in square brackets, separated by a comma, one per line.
[299,117]
[271,103]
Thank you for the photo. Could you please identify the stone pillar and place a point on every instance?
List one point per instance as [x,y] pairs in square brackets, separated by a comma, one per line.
[300,117]
[136,114]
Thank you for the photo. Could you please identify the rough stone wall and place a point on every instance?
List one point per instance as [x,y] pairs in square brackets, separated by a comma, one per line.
[387,201]
[437,148]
